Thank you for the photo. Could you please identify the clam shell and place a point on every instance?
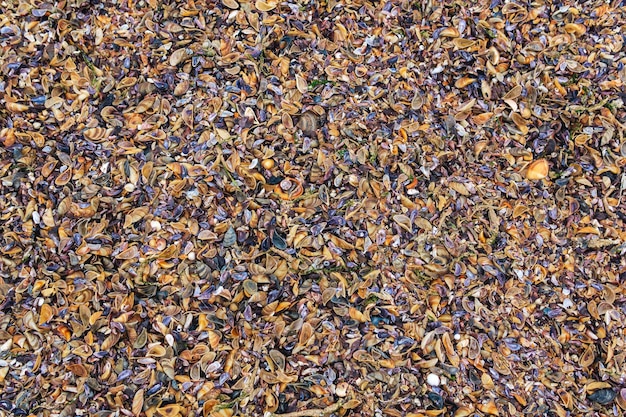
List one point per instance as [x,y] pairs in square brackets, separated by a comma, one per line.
[538,170]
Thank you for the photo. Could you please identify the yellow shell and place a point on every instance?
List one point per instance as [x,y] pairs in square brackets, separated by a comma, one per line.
[267,163]
[538,170]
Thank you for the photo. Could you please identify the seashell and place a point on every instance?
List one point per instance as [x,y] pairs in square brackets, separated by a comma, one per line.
[290,194]
[587,358]
[511,8]
[538,170]
[462,43]
[301,84]
[265,6]
[45,314]
[178,56]
[129,253]
[489,408]
[141,340]
[278,358]
[305,334]
[287,120]
[16,107]
[342,389]
[231,4]
[145,88]
[48,168]
[38,139]
[156,351]
[96,133]
[250,287]
[187,115]
[110,341]
[308,123]
[126,83]
[450,32]
[279,242]
[485,88]
[417,102]
[170,410]
[231,58]
[520,122]
[463,411]
[621,398]
[404,222]
[63,178]
[224,412]
[108,113]
[596,385]
[582,139]
[500,363]
[464,81]
[138,399]
[145,105]
[603,396]
[513,93]
[77,369]
[577,29]
[135,215]
[181,88]
[230,238]
[482,118]
[214,338]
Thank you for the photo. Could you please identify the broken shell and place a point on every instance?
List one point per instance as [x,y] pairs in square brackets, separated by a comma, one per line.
[308,123]
[450,32]
[537,170]
[265,6]
[231,4]
[621,398]
[464,82]
[250,287]
[16,107]
[488,408]
[170,410]
[575,28]
[603,396]
[342,389]
[235,208]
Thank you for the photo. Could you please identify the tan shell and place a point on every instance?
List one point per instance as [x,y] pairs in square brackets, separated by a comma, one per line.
[450,32]
[538,170]
[308,123]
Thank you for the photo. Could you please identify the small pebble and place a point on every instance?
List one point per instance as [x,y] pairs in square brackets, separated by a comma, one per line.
[268,163]
[285,185]
[433,380]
